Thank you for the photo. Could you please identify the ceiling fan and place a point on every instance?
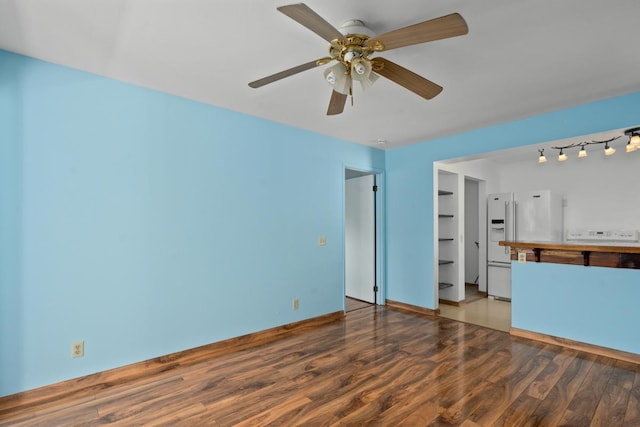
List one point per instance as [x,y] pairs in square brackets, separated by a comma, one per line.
[353,47]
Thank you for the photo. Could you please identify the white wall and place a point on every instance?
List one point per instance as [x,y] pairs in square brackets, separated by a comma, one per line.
[599,191]
[479,169]
[472,208]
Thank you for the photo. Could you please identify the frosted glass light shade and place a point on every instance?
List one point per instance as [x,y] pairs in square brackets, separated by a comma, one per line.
[562,157]
[337,77]
[582,153]
[630,147]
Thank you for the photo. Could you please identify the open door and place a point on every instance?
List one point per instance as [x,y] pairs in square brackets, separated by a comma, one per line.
[360,238]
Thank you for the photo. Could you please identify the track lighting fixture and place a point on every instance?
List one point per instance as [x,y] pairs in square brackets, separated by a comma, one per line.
[633,144]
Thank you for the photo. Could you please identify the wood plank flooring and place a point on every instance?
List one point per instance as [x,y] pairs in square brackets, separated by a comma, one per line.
[377,367]
[352,304]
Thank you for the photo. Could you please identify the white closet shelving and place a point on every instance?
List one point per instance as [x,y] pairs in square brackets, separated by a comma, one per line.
[448,260]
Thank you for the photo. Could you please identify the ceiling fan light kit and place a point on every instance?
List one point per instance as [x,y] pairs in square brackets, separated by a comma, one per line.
[338,77]
[353,45]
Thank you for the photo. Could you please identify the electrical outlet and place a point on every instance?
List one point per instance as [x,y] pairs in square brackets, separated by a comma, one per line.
[77,349]
[294,304]
[522,257]
[322,241]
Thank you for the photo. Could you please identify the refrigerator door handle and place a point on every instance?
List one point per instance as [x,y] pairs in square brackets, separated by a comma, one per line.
[506,220]
[515,216]
[499,264]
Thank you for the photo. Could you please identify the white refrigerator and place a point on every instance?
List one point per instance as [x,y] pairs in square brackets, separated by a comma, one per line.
[533,216]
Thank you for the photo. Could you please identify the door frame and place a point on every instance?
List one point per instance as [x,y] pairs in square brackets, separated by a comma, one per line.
[380,255]
[483,191]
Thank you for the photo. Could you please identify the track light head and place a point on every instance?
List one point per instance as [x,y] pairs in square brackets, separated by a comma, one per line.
[542,158]
[608,150]
[634,136]
[562,157]
[582,153]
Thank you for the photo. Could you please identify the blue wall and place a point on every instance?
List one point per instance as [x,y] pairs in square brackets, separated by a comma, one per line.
[588,304]
[409,179]
[145,224]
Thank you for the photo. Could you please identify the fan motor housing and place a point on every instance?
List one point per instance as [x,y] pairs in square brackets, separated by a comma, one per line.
[355,26]
[353,45]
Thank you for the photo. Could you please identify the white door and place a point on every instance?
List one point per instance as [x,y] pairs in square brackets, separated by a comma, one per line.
[359,238]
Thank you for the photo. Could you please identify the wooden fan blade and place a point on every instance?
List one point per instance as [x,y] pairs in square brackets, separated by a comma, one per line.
[435,29]
[286,73]
[407,79]
[303,14]
[336,103]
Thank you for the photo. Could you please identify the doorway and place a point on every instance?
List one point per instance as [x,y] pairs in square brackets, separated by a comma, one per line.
[472,241]
[361,240]
[460,230]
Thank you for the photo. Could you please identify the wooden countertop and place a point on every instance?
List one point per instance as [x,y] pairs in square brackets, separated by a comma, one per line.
[623,248]
[605,254]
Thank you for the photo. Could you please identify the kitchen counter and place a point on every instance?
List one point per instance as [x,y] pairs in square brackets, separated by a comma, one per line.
[599,254]
[562,295]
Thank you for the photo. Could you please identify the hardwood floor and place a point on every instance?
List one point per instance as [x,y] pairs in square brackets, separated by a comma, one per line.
[376,367]
[352,304]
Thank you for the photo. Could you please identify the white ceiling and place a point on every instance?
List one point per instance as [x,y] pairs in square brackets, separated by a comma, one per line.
[519,59]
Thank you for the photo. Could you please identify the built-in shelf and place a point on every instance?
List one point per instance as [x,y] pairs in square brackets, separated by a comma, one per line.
[447,222]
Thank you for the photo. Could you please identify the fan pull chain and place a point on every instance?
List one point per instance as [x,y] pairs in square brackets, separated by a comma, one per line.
[351,94]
